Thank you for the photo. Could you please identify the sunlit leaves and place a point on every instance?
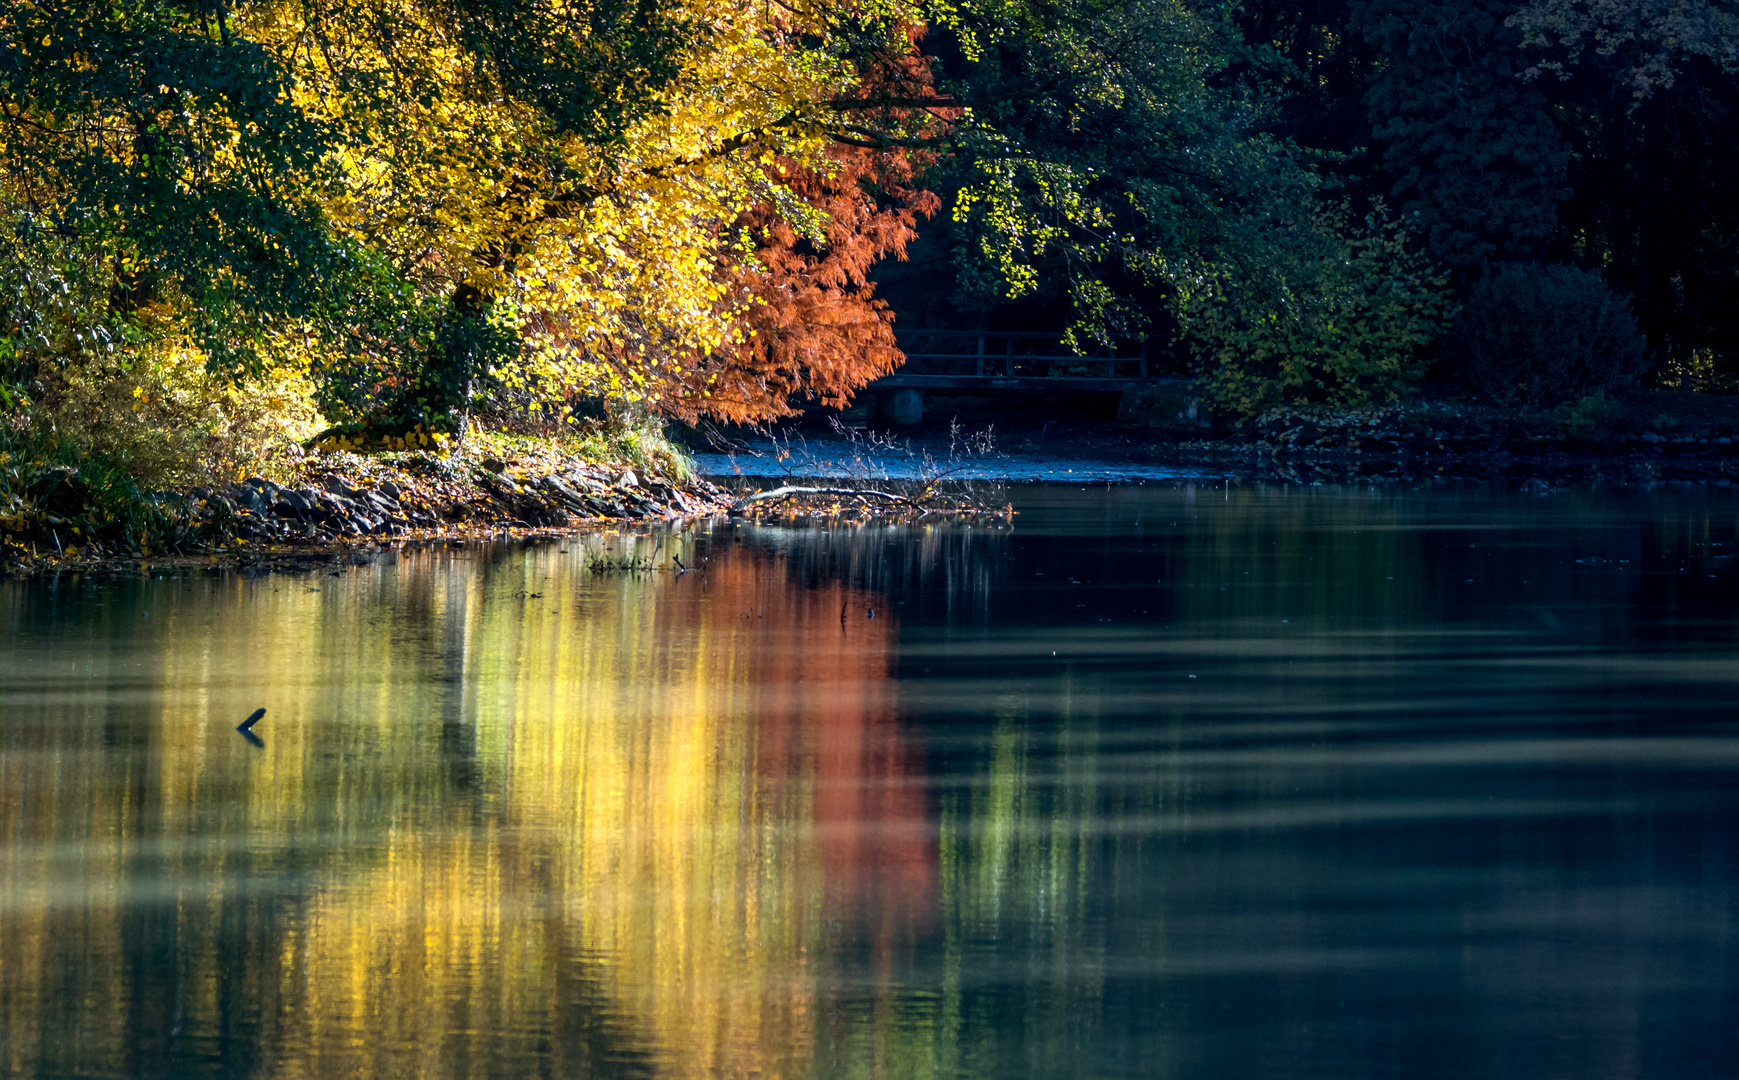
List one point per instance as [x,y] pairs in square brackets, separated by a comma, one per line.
[1341,314]
[580,162]
[320,183]
[1098,157]
[152,132]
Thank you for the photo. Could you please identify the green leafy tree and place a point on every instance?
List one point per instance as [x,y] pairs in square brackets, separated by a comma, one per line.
[1473,153]
[1647,99]
[1117,159]
[1104,150]
[1602,133]
[1344,315]
[152,134]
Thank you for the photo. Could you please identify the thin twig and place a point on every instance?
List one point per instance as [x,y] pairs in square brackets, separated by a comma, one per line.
[788,489]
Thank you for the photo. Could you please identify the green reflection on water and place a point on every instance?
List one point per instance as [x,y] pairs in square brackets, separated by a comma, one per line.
[508,812]
[516,816]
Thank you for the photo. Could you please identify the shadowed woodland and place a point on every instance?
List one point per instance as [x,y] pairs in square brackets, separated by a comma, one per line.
[230,232]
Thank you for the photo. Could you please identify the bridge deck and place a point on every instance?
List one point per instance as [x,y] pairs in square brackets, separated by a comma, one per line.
[1010,362]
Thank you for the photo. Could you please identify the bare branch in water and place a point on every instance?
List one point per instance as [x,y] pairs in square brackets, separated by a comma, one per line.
[789,490]
[876,473]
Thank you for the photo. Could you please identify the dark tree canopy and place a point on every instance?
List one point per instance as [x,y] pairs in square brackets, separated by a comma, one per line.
[1550,131]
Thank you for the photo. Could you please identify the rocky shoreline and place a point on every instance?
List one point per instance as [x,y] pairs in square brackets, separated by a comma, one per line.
[343,503]
[336,507]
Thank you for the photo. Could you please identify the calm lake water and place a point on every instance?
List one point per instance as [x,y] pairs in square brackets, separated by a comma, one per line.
[1157,782]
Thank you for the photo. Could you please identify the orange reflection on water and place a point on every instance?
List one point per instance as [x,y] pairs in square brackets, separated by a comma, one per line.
[617,826]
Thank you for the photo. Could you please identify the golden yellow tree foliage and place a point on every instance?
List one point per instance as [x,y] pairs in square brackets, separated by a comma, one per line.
[605,246]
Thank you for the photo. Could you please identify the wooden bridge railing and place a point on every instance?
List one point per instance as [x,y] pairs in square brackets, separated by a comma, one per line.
[1011,354]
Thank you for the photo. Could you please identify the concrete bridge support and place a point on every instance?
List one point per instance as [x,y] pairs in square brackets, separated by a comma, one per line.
[899,407]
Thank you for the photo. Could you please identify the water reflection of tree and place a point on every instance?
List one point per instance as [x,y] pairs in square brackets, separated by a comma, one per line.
[949,568]
[513,814]
[605,829]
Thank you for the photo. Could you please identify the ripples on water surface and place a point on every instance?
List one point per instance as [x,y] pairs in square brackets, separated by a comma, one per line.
[1159,782]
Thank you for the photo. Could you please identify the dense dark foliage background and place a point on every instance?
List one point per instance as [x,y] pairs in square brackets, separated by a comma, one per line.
[1599,135]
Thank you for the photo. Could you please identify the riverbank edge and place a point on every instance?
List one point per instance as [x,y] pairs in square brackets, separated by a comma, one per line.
[343,507]
[1387,446]
[1494,462]
[1647,438]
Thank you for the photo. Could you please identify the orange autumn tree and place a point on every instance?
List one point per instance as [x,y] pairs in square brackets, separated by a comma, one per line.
[811,326]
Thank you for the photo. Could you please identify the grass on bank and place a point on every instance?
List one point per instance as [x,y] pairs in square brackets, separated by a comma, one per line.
[64,497]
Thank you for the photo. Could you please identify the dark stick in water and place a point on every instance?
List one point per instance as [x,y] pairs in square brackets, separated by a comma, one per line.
[246,726]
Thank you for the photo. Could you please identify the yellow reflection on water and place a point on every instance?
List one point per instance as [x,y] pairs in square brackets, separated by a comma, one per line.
[510,813]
